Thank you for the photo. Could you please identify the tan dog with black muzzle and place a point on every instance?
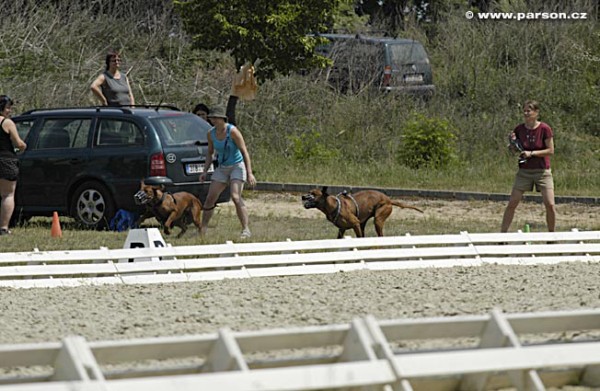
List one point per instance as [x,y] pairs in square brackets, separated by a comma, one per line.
[352,211]
[179,209]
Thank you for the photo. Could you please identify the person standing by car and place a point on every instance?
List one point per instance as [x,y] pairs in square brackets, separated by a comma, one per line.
[234,169]
[536,141]
[202,111]
[112,87]
[9,163]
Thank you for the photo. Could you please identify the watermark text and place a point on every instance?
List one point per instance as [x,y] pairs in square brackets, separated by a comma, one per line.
[526,15]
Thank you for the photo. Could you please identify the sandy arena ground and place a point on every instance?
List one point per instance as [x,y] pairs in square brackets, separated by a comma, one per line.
[124,312]
[115,312]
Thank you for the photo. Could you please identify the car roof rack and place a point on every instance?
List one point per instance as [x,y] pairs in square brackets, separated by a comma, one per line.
[152,106]
[124,109]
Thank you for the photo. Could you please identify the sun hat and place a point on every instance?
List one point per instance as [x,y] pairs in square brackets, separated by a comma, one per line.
[217,112]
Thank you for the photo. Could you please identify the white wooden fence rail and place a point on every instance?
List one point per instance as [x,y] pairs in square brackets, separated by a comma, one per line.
[527,351]
[242,260]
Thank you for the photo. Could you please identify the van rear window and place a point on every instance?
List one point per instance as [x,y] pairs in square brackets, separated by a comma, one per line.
[407,54]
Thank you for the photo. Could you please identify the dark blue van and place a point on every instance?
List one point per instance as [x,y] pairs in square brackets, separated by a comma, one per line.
[389,64]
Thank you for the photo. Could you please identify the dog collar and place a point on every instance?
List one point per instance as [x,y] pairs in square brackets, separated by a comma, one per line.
[164,195]
[337,210]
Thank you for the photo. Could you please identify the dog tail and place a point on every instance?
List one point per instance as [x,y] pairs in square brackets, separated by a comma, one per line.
[401,205]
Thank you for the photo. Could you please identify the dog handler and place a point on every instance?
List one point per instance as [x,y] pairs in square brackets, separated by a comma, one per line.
[9,163]
[234,169]
[534,168]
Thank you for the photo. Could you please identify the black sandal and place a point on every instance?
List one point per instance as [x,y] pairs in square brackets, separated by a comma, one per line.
[4,231]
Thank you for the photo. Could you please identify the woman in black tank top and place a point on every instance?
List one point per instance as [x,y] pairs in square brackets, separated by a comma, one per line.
[9,163]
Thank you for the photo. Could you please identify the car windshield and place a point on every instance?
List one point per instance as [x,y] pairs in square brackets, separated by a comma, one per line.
[407,54]
[181,129]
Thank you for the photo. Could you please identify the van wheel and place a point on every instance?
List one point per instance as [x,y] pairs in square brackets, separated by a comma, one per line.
[92,205]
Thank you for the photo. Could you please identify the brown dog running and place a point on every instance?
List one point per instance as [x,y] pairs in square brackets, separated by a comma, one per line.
[352,211]
[180,209]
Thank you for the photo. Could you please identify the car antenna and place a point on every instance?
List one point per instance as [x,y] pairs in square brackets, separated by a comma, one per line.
[158,106]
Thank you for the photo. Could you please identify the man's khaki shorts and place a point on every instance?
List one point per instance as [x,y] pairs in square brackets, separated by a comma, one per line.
[541,178]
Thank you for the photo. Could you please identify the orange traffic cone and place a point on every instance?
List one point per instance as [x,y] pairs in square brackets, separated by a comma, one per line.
[55,231]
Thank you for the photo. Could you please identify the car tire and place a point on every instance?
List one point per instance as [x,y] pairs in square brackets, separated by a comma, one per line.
[92,205]
[18,219]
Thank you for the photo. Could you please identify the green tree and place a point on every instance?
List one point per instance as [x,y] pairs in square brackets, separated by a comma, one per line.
[274,31]
[347,20]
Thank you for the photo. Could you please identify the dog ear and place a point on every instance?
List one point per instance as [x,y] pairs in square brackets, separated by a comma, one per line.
[324,189]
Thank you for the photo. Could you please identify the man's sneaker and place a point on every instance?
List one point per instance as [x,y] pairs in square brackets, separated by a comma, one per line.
[245,234]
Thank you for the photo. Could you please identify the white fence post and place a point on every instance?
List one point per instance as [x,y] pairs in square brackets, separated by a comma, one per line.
[75,361]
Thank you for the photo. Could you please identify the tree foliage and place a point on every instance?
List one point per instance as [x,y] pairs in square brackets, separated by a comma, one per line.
[274,31]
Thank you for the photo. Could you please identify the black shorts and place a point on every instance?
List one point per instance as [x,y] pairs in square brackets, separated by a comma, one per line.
[9,169]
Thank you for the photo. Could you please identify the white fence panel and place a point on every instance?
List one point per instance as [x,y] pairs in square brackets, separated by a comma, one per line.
[244,260]
[514,350]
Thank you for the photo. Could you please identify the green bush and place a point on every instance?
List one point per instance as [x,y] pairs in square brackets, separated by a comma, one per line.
[310,146]
[428,142]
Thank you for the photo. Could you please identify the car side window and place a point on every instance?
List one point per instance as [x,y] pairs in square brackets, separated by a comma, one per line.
[64,133]
[116,132]
[24,127]
[79,130]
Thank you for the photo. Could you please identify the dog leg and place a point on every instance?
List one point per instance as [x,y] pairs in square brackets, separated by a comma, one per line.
[196,212]
[379,227]
[183,230]
[358,232]
[381,215]
[363,225]
[173,216]
[143,217]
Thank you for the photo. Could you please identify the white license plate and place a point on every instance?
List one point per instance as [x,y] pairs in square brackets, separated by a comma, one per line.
[196,168]
[413,78]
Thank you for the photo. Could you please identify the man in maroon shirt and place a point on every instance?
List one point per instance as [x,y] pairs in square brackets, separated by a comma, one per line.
[536,139]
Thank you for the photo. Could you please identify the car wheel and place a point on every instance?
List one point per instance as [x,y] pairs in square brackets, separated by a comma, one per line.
[92,205]
[18,219]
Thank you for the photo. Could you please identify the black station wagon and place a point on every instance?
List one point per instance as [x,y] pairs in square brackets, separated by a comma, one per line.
[87,163]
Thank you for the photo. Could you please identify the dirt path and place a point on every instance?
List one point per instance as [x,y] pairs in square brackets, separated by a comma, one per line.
[572,215]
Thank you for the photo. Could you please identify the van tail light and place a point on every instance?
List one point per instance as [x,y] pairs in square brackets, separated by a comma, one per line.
[158,167]
[387,75]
